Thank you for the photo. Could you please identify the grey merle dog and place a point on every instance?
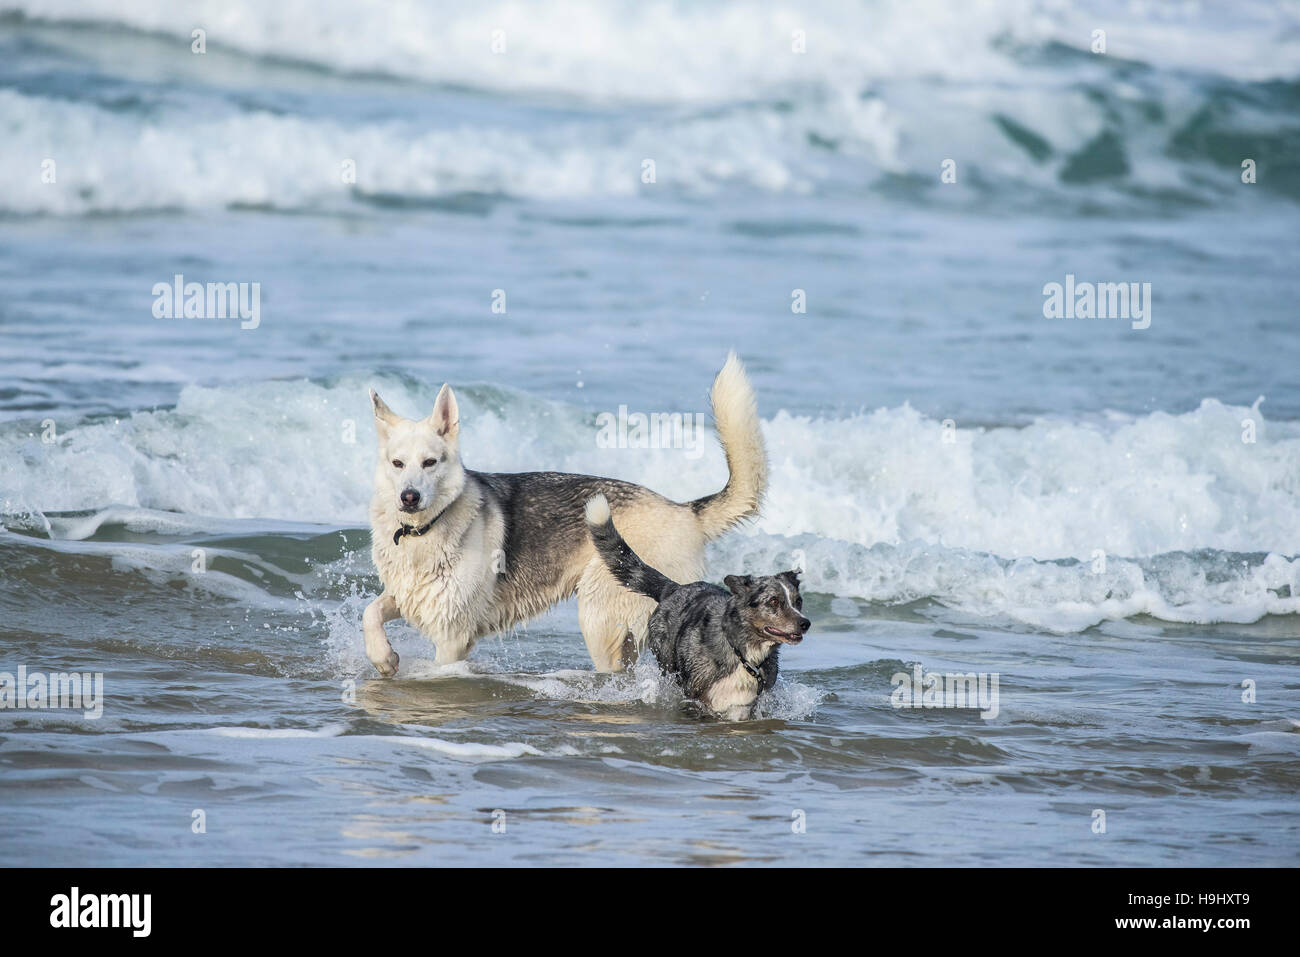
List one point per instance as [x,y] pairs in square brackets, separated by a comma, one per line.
[723,644]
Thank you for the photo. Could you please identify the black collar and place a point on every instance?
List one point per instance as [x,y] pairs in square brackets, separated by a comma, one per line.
[732,615]
[412,530]
[747,666]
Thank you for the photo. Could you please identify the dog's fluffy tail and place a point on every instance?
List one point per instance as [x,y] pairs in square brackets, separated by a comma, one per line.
[623,563]
[735,412]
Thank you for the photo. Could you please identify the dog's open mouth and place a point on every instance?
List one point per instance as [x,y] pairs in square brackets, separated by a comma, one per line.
[784,637]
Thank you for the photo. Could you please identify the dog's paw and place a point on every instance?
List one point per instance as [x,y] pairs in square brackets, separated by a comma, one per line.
[383,657]
[387,667]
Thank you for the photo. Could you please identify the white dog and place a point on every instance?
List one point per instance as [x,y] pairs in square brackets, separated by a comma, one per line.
[462,554]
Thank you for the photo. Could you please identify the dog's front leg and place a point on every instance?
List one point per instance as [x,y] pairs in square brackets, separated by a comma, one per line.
[452,647]
[378,650]
[738,712]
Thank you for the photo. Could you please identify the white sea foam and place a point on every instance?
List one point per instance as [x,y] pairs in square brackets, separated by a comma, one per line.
[1058,524]
[116,162]
[681,52]
[461,750]
[1271,741]
[645,684]
[712,91]
[328,731]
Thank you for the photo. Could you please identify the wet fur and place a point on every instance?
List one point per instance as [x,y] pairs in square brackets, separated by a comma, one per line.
[504,547]
[699,632]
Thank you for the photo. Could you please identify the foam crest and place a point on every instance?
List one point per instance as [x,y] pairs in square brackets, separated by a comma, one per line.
[713,92]
[699,52]
[1058,524]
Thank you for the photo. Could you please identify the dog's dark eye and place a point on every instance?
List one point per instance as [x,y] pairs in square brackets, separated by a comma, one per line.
[798,603]
[397,464]
[429,463]
[774,603]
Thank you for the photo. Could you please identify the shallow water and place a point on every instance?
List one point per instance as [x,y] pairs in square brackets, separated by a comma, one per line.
[1096,533]
[241,710]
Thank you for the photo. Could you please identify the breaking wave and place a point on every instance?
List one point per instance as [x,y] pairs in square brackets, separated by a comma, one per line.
[714,93]
[1059,524]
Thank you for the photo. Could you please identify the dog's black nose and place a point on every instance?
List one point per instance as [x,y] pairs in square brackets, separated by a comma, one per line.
[410,498]
[804,625]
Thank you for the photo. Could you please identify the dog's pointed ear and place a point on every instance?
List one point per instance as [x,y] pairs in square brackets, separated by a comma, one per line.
[446,414]
[739,585]
[385,417]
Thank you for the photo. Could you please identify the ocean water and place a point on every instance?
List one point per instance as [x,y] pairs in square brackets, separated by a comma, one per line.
[1105,518]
